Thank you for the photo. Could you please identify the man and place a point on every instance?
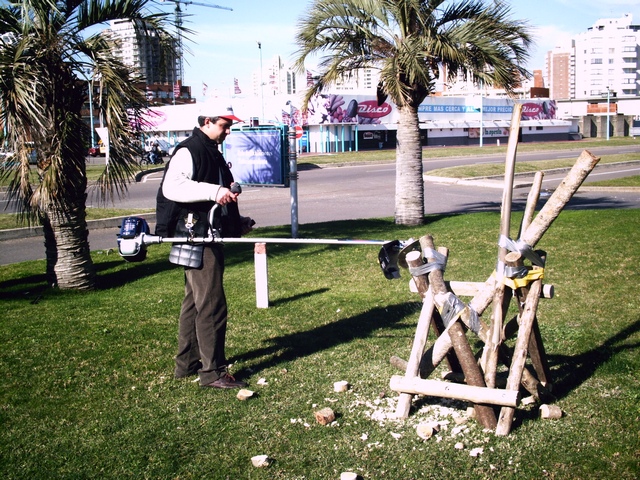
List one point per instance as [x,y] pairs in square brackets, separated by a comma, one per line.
[197,178]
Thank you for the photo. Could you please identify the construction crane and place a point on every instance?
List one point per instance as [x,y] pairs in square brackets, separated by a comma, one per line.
[178,21]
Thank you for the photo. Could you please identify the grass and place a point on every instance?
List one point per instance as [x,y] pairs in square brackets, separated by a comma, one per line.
[12,220]
[88,388]
[633,181]
[489,169]
[463,151]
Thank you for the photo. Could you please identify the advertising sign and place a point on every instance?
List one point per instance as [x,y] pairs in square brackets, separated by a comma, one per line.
[489,132]
[255,156]
[353,109]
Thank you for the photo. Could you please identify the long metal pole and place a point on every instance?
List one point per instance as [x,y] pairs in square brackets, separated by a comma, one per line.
[152,239]
[293,182]
[481,115]
[93,140]
[608,109]
[261,83]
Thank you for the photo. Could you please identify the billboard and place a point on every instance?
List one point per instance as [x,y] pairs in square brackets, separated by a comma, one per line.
[256,156]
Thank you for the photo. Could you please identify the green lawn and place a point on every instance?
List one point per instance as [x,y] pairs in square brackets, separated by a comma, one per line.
[88,390]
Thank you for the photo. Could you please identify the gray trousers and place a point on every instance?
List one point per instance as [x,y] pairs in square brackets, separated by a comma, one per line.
[203,319]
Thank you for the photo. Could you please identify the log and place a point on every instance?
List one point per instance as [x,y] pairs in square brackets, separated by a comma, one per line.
[468,393]
[484,414]
[536,348]
[520,354]
[422,282]
[469,289]
[550,412]
[434,355]
[417,350]
[547,215]
[490,353]
[399,363]
[324,416]
[532,201]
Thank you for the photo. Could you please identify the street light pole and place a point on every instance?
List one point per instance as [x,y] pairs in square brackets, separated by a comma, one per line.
[608,109]
[261,83]
[93,143]
[481,115]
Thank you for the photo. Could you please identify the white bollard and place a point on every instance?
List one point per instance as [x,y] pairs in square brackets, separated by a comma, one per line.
[262,282]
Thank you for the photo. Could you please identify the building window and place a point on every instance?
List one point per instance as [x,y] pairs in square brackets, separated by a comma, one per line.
[596,61]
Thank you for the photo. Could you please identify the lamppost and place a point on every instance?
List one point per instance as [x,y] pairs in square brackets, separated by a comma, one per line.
[90,83]
[261,83]
[608,109]
[481,115]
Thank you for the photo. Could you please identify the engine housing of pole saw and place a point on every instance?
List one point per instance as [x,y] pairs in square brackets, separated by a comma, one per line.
[130,246]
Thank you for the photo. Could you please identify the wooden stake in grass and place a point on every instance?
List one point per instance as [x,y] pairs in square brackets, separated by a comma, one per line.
[490,355]
[520,354]
[585,163]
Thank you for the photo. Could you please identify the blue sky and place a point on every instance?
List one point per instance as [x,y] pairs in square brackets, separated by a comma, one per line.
[224,45]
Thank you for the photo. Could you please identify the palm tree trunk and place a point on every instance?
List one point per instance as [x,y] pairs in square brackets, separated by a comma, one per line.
[409,180]
[69,264]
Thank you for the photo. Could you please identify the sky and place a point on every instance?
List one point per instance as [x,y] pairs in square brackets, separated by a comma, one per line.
[224,44]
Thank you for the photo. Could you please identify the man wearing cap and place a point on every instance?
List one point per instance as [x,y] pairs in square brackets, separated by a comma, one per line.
[195,179]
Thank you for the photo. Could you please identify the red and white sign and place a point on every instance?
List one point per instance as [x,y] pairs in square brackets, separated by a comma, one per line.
[371,109]
[299,131]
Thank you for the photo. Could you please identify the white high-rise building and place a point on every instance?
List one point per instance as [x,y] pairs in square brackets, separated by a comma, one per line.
[277,79]
[607,59]
[143,54]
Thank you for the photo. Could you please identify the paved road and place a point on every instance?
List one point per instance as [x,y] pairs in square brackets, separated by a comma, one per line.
[351,192]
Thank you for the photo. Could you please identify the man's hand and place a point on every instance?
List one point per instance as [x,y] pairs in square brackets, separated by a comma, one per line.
[225,196]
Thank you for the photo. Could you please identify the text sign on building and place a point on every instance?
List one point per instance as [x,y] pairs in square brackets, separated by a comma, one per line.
[255,156]
[489,132]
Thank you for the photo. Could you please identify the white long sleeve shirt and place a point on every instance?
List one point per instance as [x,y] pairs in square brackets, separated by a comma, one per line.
[178,185]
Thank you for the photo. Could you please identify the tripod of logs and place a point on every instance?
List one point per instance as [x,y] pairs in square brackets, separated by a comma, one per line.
[451,318]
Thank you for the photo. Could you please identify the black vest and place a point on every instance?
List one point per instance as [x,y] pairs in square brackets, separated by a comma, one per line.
[208,166]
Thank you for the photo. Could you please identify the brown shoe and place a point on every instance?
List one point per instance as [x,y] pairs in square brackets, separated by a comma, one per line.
[226,381]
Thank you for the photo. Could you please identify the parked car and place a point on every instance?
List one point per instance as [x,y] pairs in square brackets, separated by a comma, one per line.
[97,150]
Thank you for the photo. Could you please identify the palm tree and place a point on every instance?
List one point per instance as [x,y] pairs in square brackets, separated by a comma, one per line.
[413,42]
[46,48]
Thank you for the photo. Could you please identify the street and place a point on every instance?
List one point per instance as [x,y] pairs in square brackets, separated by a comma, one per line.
[355,192]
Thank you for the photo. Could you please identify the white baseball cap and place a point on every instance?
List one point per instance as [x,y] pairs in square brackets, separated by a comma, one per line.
[216,109]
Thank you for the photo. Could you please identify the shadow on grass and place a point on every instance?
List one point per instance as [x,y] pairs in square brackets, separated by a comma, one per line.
[518,204]
[30,286]
[281,301]
[301,344]
[569,372]
[573,371]
[114,274]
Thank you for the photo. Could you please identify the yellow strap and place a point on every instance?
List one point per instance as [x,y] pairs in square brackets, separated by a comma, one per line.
[533,274]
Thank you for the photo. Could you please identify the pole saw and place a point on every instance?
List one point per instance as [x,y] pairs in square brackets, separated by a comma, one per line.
[135,236]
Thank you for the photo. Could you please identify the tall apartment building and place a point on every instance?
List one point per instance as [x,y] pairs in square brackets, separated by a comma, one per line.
[607,59]
[277,78]
[143,54]
[560,72]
